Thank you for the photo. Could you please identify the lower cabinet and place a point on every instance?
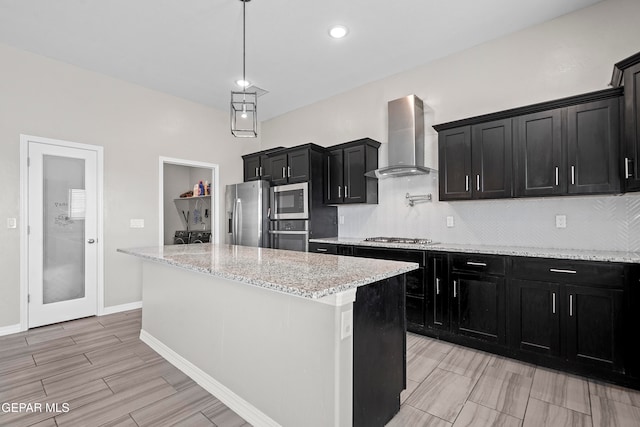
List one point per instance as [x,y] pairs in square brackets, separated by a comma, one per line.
[437,299]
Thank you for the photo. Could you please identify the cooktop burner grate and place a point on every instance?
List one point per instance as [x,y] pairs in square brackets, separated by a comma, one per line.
[399,240]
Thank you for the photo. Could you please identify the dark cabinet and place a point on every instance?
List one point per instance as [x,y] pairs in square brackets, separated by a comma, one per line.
[569,311]
[290,167]
[475,162]
[345,180]
[437,300]
[478,308]
[257,165]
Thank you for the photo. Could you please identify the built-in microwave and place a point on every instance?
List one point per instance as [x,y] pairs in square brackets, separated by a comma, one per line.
[290,201]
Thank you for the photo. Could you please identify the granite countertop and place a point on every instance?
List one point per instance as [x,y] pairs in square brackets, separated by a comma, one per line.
[574,254]
[304,274]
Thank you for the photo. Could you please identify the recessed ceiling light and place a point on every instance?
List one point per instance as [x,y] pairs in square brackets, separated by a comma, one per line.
[338,31]
[243,83]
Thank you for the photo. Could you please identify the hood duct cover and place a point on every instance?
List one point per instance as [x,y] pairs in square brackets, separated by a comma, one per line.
[406,139]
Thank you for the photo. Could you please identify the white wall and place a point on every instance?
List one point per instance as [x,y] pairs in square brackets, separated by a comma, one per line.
[135,126]
[570,55]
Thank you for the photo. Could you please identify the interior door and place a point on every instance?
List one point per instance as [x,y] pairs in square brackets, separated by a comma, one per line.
[62,212]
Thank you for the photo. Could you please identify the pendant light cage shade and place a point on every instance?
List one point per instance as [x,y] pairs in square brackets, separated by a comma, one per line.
[244,114]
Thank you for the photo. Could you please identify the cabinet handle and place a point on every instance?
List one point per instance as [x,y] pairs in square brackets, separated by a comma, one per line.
[553,302]
[557,175]
[560,270]
[573,175]
[478,264]
[570,305]
[478,182]
[284,174]
[288,171]
[346,191]
[437,286]
[339,191]
[626,168]
[321,249]
[455,285]
[256,171]
[260,170]
[466,183]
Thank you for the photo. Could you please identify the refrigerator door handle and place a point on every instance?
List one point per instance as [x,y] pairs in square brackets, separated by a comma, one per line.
[238,218]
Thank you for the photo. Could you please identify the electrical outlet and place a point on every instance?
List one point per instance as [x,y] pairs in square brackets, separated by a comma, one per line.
[11,223]
[450,222]
[346,325]
[136,223]
[561,221]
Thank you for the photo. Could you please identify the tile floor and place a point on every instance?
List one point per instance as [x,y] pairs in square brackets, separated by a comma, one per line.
[450,385]
[109,377]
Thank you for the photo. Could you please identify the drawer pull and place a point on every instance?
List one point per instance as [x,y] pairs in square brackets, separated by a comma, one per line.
[321,250]
[560,270]
[477,264]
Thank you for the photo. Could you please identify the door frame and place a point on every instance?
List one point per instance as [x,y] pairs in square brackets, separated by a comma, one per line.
[24,220]
[215,188]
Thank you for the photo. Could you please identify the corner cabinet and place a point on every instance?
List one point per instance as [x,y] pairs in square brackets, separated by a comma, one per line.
[346,165]
[569,146]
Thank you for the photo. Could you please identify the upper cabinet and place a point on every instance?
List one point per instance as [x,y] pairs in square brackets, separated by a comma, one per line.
[346,165]
[563,147]
[475,161]
[290,167]
[627,73]
[285,166]
[257,165]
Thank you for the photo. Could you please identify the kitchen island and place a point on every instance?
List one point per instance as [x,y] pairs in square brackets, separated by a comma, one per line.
[281,337]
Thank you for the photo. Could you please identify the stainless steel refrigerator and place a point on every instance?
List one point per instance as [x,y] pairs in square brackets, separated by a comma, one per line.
[247,221]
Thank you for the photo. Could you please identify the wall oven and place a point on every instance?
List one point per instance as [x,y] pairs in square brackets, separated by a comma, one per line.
[292,235]
[290,201]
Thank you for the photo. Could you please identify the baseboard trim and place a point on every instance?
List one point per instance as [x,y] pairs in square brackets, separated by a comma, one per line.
[11,329]
[237,404]
[119,308]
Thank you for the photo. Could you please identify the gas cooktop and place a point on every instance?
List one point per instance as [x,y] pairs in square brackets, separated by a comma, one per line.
[404,240]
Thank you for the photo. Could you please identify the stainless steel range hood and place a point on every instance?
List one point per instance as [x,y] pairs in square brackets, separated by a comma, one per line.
[406,139]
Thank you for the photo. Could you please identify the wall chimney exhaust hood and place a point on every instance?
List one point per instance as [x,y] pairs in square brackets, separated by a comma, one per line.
[406,139]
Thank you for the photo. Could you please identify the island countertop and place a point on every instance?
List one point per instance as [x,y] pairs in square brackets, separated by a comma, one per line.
[303,274]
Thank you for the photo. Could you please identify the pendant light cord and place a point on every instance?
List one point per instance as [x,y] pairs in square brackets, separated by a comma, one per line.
[244,46]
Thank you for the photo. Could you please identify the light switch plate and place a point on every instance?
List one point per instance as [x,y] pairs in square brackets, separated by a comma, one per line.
[450,222]
[12,223]
[136,223]
[561,221]
[346,324]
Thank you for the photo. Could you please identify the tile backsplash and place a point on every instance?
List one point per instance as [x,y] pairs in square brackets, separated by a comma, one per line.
[592,222]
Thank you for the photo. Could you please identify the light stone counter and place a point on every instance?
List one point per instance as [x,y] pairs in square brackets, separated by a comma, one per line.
[303,274]
[574,254]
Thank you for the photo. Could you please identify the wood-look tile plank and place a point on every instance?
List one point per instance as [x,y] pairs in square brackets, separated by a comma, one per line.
[9,342]
[569,391]
[23,393]
[6,354]
[125,421]
[503,390]
[87,324]
[120,328]
[427,345]
[613,392]
[49,422]
[421,364]
[195,420]
[119,317]
[48,356]
[113,407]
[128,378]
[443,393]
[474,415]
[172,409]
[411,387]
[410,416]
[543,414]
[47,334]
[178,379]
[503,364]
[15,364]
[65,380]
[222,416]
[615,414]
[466,362]
[38,372]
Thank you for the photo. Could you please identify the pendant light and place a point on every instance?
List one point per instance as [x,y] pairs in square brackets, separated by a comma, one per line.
[244,116]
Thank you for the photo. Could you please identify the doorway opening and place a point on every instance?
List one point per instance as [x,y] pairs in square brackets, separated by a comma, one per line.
[186,215]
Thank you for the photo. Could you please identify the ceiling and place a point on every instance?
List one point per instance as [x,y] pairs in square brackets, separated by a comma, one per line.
[193,49]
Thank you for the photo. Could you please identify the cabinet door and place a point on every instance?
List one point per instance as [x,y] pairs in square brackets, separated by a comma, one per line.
[593,147]
[539,162]
[355,190]
[594,325]
[632,128]
[478,307]
[278,166]
[298,166]
[492,162]
[437,300]
[334,187]
[264,168]
[454,163]
[535,317]
[251,168]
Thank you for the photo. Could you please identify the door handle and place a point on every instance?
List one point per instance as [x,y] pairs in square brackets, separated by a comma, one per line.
[346,191]
[339,191]
[570,305]
[284,175]
[260,169]
[289,171]
[573,175]
[557,175]
[90,241]
[466,183]
[553,302]
[455,284]
[437,286]
[256,171]
[478,182]
[626,168]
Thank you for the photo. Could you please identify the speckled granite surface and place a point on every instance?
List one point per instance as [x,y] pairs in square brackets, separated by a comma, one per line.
[299,273]
[576,254]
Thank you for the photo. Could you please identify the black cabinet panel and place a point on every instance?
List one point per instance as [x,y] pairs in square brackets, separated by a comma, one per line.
[454,159]
[355,190]
[345,172]
[437,301]
[491,146]
[539,159]
[298,166]
[252,168]
[334,179]
[632,128]
[278,169]
[415,313]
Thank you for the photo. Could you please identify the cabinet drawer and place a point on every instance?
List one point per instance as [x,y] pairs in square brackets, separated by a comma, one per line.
[390,254]
[569,271]
[478,263]
[323,248]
